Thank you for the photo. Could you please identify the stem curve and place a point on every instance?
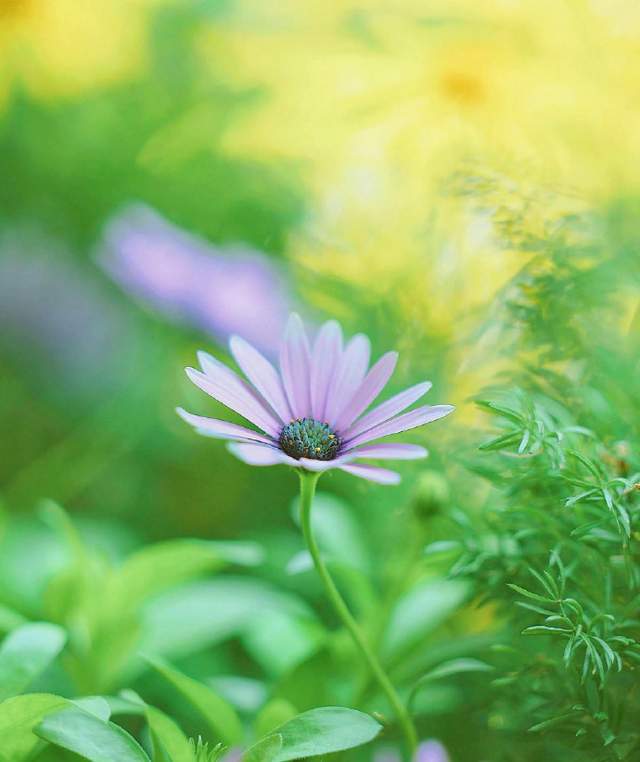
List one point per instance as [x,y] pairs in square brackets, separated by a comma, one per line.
[308,481]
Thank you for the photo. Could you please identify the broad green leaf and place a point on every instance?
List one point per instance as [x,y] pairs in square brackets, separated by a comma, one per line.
[239,553]
[58,519]
[419,612]
[27,652]
[10,619]
[281,642]
[245,693]
[18,717]
[218,713]
[337,532]
[167,735]
[158,567]
[83,733]
[266,750]
[324,731]
[275,713]
[126,702]
[22,581]
[206,612]
[95,705]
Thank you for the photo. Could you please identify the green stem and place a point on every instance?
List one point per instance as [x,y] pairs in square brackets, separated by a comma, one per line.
[308,483]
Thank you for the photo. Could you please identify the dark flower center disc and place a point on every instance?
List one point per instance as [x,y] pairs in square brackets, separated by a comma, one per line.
[308,438]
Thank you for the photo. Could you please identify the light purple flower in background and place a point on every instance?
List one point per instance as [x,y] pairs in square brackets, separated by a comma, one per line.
[220,290]
[57,318]
[428,751]
[431,751]
[312,412]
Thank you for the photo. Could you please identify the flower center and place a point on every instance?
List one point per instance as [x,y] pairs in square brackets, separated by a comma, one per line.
[308,438]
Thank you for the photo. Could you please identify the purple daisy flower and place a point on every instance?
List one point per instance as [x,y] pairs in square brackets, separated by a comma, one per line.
[312,414]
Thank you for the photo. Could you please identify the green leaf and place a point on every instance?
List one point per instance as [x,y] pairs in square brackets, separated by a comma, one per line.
[337,532]
[220,716]
[324,731]
[448,669]
[18,717]
[266,750]
[10,619]
[419,612]
[499,443]
[95,705]
[551,722]
[83,733]
[275,713]
[168,737]
[281,642]
[529,594]
[27,652]
[500,410]
[159,567]
[456,667]
[207,612]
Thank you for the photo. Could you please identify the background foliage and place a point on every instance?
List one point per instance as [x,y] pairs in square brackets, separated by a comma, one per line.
[456,179]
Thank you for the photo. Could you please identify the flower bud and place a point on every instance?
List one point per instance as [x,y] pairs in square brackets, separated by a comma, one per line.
[431,494]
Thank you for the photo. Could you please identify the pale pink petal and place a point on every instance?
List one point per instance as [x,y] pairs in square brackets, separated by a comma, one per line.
[325,465]
[347,377]
[374,382]
[387,409]
[218,429]
[295,362]
[410,420]
[389,451]
[260,455]
[372,473]
[327,352]
[226,387]
[262,375]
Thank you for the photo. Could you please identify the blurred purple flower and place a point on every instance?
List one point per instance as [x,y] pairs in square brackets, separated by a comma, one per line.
[431,751]
[220,290]
[428,751]
[58,319]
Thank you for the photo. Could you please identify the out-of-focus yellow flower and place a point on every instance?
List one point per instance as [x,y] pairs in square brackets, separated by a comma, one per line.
[546,90]
[438,141]
[58,48]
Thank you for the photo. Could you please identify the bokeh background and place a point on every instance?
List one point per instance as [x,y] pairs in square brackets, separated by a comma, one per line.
[176,171]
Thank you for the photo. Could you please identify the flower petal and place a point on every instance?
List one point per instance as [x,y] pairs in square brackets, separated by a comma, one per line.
[372,473]
[410,420]
[347,376]
[389,451]
[325,465]
[295,364]
[368,390]
[262,375]
[259,455]
[327,352]
[213,427]
[387,409]
[229,389]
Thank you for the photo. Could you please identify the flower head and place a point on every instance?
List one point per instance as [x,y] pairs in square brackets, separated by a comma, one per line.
[221,290]
[312,413]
